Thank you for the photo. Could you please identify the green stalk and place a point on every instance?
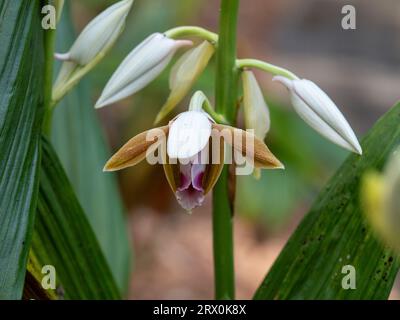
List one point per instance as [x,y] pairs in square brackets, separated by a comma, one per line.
[191,31]
[49,43]
[267,67]
[199,101]
[225,95]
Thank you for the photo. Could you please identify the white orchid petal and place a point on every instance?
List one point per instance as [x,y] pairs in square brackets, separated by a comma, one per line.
[100,32]
[189,134]
[315,107]
[256,112]
[140,67]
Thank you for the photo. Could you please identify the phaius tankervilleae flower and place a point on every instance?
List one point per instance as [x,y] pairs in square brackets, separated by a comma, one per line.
[184,73]
[101,32]
[140,67]
[320,112]
[194,154]
[381,201]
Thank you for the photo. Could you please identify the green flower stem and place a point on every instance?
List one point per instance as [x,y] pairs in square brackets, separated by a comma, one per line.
[200,102]
[49,43]
[190,31]
[264,66]
[226,95]
[219,118]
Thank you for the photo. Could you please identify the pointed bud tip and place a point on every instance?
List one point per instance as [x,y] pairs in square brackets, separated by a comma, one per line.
[356,148]
[98,106]
[101,104]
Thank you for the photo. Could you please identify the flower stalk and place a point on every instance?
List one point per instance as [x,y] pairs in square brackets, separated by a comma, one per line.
[200,102]
[226,95]
[265,66]
[191,31]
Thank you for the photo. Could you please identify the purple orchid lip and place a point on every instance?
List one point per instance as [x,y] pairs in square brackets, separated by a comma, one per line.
[190,193]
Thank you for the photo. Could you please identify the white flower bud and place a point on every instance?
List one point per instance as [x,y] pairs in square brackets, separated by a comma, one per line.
[140,67]
[256,113]
[184,74]
[320,112]
[99,34]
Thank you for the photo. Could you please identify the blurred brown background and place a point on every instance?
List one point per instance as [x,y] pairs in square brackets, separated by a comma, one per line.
[358,68]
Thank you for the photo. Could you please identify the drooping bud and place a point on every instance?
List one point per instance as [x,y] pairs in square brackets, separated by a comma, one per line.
[183,75]
[140,67]
[320,112]
[90,47]
[381,202]
[99,34]
[256,112]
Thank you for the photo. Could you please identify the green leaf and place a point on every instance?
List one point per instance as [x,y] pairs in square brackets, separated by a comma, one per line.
[334,234]
[21,100]
[64,238]
[79,141]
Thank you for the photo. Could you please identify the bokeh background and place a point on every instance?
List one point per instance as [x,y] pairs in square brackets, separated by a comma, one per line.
[358,68]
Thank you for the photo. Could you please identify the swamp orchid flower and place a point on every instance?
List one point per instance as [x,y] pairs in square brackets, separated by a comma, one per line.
[192,148]
[315,107]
